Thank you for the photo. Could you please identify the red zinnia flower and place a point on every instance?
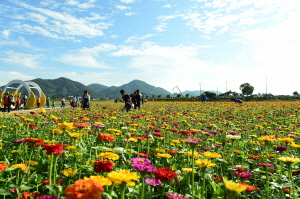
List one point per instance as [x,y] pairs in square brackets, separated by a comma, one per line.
[53,148]
[171,152]
[186,133]
[32,126]
[143,154]
[81,125]
[28,195]
[157,134]
[32,140]
[103,166]
[165,173]
[3,167]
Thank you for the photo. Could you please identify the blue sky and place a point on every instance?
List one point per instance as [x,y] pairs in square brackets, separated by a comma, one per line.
[165,43]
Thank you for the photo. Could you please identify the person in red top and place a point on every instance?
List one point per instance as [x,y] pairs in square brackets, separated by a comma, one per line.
[18,103]
[7,103]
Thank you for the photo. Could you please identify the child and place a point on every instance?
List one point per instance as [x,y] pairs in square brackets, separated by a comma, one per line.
[53,104]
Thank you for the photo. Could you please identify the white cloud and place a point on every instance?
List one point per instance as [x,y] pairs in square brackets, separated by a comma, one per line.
[121,7]
[161,27]
[87,61]
[167,6]
[134,38]
[128,1]
[129,13]
[8,43]
[5,33]
[21,59]
[60,25]
[7,76]
[88,57]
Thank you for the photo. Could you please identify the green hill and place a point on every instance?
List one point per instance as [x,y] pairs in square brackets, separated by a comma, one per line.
[134,85]
[66,87]
[98,87]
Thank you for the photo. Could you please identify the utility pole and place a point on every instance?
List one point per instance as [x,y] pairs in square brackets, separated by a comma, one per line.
[226,88]
[200,88]
[266,86]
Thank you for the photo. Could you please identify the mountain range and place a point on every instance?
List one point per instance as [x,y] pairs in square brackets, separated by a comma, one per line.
[65,87]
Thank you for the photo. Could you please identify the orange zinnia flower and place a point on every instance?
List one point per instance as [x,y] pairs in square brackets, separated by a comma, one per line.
[81,125]
[84,189]
[3,167]
[106,137]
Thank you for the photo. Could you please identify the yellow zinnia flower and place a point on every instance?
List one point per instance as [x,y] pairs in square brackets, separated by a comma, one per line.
[69,172]
[189,153]
[74,135]
[233,189]
[102,180]
[123,176]
[289,159]
[286,140]
[163,155]
[295,145]
[204,163]
[212,155]
[109,155]
[158,150]
[18,166]
[188,170]
[31,163]
[65,125]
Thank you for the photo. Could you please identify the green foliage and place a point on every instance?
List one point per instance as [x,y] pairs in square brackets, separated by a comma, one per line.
[246,89]
[210,95]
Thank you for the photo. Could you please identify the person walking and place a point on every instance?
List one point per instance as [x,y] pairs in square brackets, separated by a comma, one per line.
[203,98]
[7,103]
[12,100]
[86,98]
[77,101]
[63,102]
[53,104]
[24,99]
[139,100]
[126,100]
[48,101]
[18,103]
[133,100]
[38,102]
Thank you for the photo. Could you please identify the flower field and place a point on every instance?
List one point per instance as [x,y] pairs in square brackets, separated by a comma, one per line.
[176,150]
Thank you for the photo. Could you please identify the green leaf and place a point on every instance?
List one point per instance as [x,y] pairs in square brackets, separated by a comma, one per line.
[151,195]
[4,192]
[24,188]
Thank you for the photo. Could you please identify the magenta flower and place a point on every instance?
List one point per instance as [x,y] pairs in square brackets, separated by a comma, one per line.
[214,132]
[193,140]
[281,148]
[140,160]
[153,182]
[176,196]
[233,133]
[206,148]
[144,167]
[265,165]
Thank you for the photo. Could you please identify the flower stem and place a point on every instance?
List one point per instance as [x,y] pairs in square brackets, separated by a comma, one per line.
[122,190]
[193,160]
